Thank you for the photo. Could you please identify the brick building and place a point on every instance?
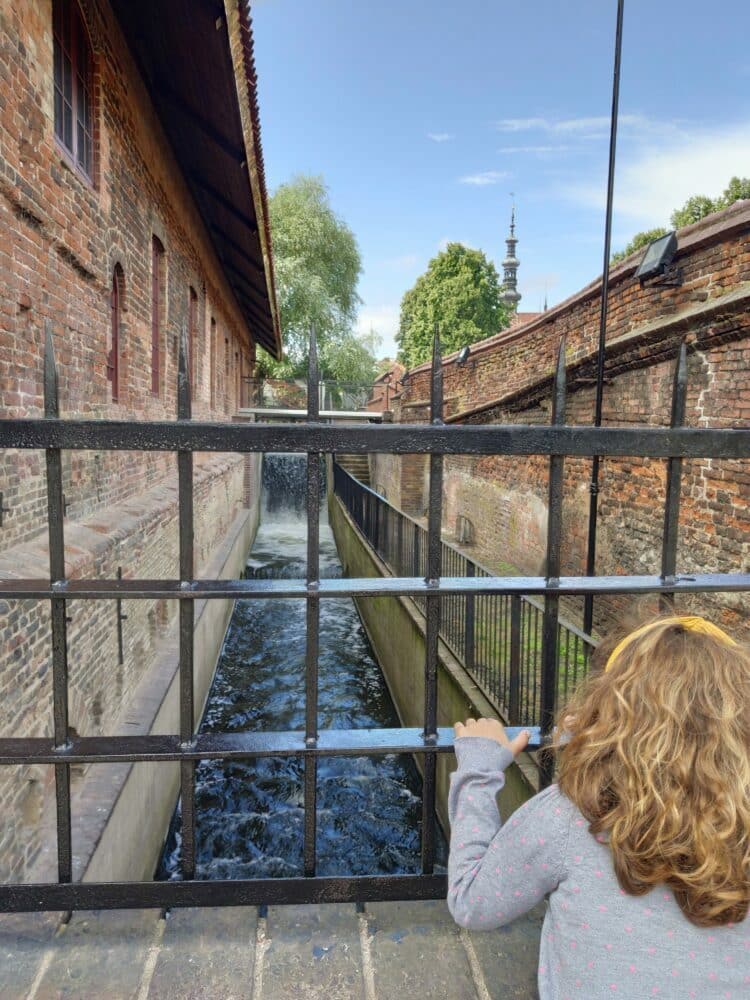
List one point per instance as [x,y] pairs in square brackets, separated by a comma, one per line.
[132,209]
[507,379]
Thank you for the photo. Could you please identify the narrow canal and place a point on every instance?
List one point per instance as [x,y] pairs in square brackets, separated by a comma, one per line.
[250,814]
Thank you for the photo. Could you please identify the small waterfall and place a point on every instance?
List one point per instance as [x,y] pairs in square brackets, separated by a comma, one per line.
[250,814]
[284,485]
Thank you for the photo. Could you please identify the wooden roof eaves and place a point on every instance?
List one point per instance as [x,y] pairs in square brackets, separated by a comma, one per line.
[241,45]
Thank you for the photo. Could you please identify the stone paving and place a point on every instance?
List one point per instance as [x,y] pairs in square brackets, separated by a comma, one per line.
[389,951]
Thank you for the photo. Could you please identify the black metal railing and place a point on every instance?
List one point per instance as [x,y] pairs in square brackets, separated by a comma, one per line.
[425,579]
[497,637]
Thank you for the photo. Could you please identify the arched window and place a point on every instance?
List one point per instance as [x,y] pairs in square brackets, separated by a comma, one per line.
[157,305]
[113,354]
[74,117]
[213,373]
[192,335]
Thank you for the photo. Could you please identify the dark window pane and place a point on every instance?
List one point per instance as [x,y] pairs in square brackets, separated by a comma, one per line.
[67,133]
[58,65]
[67,87]
[58,113]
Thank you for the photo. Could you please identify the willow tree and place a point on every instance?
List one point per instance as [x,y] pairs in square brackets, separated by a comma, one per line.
[318,265]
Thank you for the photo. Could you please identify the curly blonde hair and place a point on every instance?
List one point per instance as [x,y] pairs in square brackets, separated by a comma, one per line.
[658,760]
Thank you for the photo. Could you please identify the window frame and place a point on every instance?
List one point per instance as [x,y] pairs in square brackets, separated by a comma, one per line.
[192,336]
[71,40]
[116,309]
[158,263]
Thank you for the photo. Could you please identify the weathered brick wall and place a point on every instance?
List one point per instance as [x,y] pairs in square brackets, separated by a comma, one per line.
[60,239]
[715,257]
[506,498]
[141,536]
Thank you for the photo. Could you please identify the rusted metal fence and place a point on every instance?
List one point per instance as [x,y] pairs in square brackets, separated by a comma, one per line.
[497,637]
[426,581]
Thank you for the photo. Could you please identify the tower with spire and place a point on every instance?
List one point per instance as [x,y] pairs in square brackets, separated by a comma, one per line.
[510,294]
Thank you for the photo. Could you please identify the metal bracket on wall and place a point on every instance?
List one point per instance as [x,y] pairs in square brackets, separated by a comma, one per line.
[120,619]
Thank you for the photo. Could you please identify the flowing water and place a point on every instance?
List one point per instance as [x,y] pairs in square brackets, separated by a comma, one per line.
[250,814]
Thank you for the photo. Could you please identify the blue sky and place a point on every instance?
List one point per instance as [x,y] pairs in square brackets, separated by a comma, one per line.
[424,116]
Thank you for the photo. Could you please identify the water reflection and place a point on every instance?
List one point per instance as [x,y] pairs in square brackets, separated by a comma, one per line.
[250,814]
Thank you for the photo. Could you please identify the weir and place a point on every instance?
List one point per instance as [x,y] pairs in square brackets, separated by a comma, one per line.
[251,813]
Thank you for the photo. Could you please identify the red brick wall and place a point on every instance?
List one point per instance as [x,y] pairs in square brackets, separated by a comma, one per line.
[506,498]
[60,238]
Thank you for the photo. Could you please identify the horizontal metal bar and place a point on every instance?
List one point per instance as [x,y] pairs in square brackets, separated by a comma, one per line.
[230,746]
[400,439]
[237,892]
[409,586]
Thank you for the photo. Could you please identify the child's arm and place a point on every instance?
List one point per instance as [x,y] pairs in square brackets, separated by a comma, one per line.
[495,874]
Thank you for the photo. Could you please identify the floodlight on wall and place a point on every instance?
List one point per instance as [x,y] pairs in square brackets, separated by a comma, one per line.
[657,265]
[463,355]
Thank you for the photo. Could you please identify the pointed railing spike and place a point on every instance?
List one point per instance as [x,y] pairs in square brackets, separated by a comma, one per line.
[679,387]
[436,386]
[559,392]
[670,531]
[51,384]
[183,378]
[313,377]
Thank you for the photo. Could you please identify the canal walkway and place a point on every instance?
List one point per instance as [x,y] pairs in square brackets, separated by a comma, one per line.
[391,951]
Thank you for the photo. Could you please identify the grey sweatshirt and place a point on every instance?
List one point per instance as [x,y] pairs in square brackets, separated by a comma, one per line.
[597,941]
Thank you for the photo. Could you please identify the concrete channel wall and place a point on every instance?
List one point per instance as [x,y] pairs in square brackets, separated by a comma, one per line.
[396,631]
[130,806]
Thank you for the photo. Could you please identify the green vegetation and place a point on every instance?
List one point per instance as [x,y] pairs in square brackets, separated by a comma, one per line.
[695,208]
[460,293]
[318,266]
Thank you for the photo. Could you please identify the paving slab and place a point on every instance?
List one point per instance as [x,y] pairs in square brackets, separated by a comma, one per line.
[24,939]
[312,951]
[509,957]
[417,952]
[206,954]
[100,955]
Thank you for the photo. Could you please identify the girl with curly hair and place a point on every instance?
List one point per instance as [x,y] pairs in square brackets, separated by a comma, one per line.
[643,845]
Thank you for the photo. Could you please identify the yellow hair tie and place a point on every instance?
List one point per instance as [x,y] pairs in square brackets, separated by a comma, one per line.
[690,622]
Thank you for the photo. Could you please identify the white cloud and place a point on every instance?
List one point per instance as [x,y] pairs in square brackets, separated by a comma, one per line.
[440,136]
[484,178]
[592,126]
[534,150]
[522,124]
[383,319]
[655,180]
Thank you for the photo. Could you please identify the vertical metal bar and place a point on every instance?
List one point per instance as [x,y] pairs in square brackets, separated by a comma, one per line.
[187,614]
[674,483]
[552,600]
[399,567]
[313,617]
[588,601]
[55,515]
[432,627]
[120,619]
[514,704]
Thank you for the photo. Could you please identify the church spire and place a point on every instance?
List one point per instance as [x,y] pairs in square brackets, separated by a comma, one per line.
[510,294]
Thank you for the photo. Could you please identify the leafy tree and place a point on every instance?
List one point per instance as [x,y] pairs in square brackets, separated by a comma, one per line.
[318,266]
[461,293]
[737,189]
[639,240]
[350,358]
[695,208]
